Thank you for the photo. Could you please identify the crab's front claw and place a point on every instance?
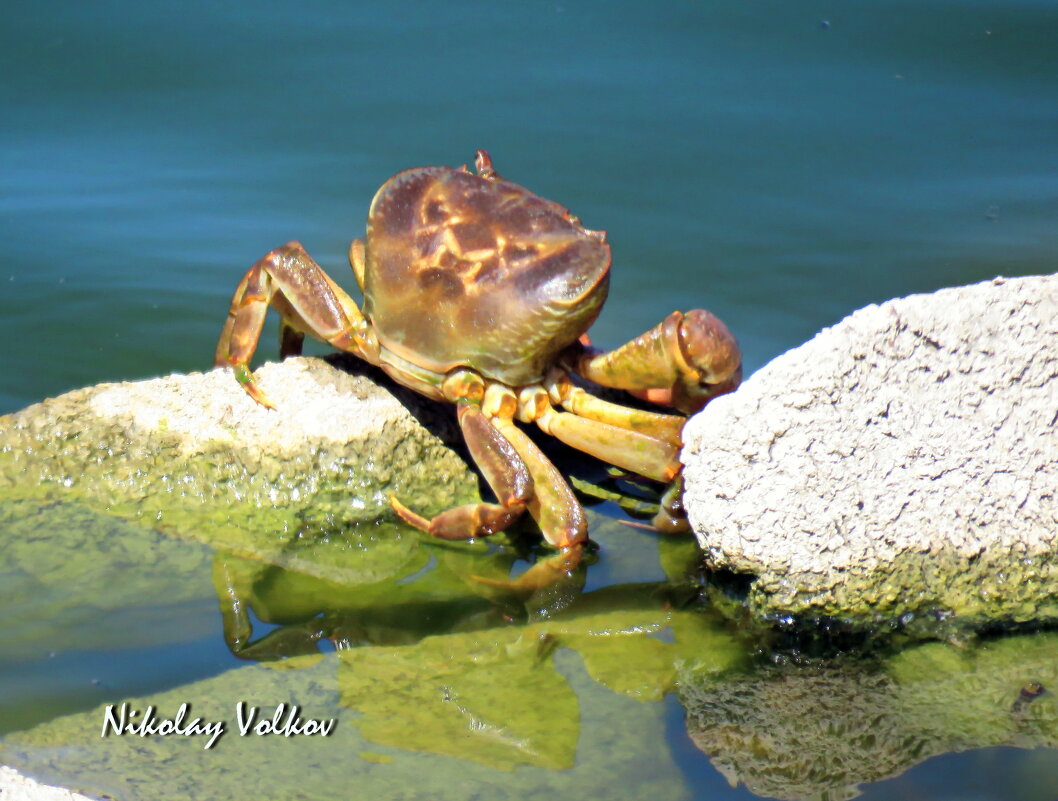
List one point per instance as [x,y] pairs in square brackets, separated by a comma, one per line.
[709,361]
[682,362]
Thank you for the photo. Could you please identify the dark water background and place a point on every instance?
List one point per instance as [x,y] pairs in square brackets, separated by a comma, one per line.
[779,163]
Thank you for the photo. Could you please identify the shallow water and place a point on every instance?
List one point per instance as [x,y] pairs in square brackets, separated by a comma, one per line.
[780,164]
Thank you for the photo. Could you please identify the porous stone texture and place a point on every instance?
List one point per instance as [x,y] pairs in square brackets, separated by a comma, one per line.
[337,443]
[16,787]
[903,462]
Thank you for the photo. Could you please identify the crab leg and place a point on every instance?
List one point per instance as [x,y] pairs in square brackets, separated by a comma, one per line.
[308,301]
[561,390]
[522,477]
[683,362]
[647,455]
[647,442]
[671,517]
[555,509]
[504,470]
[553,504]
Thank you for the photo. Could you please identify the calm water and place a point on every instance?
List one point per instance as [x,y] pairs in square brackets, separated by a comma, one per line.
[779,163]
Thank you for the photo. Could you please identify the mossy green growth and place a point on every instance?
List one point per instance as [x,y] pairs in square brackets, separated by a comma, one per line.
[818,731]
[194,457]
[510,709]
[74,578]
[930,594]
[998,692]
[494,697]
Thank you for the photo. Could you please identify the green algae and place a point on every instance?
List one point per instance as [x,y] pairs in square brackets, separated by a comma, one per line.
[251,481]
[493,700]
[494,697]
[538,696]
[504,709]
[929,595]
[445,694]
[551,726]
[962,698]
[75,578]
[820,730]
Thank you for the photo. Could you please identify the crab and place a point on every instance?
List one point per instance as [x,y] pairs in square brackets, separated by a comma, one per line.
[480,293]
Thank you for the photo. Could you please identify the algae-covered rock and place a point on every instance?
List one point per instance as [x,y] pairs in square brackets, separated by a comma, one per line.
[194,453]
[494,697]
[817,732]
[78,579]
[511,711]
[902,463]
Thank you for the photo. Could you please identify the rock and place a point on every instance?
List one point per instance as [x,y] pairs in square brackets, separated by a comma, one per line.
[817,730]
[901,464]
[334,449]
[16,787]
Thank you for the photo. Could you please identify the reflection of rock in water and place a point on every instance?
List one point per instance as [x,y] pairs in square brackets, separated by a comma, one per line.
[815,733]
[803,735]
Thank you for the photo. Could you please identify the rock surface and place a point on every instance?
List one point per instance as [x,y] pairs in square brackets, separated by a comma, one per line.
[336,446]
[16,787]
[903,462]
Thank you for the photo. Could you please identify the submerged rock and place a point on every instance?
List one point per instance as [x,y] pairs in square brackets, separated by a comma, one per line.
[555,709]
[903,462]
[817,731]
[332,452]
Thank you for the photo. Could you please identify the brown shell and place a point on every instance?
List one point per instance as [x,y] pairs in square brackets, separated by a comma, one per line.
[467,271]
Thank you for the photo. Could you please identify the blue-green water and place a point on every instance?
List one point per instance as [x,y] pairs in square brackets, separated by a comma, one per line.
[779,163]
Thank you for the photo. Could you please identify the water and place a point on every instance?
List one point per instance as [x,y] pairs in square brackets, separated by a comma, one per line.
[781,164]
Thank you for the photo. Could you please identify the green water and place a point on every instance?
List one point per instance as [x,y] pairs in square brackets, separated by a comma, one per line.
[779,163]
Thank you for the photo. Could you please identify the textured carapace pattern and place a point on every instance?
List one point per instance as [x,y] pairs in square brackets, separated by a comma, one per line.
[470,271]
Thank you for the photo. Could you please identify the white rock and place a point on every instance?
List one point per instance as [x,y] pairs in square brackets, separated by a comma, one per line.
[904,460]
[16,787]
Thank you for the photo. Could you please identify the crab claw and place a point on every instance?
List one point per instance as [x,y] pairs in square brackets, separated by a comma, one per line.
[713,355]
[682,362]
[709,363]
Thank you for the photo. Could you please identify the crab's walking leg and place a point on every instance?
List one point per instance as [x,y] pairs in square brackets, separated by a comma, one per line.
[671,517]
[505,472]
[555,509]
[682,362]
[656,457]
[645,443]
[308,301]
[553,504]
[653,457]
[522,478]
[562,391]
